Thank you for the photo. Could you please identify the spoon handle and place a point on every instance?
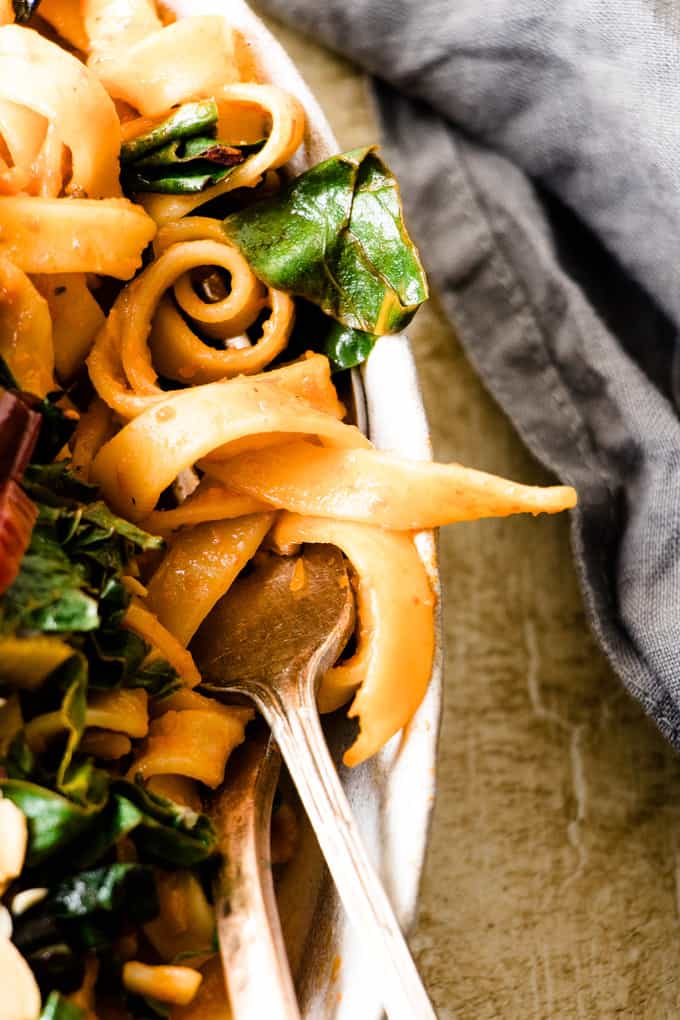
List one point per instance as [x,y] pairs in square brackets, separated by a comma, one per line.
[251,943]
[295,726]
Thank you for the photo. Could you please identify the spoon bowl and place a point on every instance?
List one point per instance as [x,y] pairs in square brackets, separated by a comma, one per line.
[271,638]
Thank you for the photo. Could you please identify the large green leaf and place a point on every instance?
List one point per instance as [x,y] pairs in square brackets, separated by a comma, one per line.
[336,236]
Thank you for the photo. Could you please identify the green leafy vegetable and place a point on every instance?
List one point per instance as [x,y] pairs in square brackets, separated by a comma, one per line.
[59,1008]
[346,347]
[68,574]
[56,485]
[124,888]
[336,237]
[190,120]
[53,820]
[49,594]
[168,833]
[84,911]
[181,156]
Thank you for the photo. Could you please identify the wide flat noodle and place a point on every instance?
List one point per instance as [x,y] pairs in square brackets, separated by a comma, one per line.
[38,74]
[392,663]
[93,430]
[190,59]
[121,364]
[23,132]
[118,24]
[381,488]
[66,17]
[124,711]
[83,236]
[200,567]
[210,502]
[150,452]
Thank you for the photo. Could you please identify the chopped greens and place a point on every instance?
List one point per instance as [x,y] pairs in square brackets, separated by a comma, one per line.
[182,155]
[336,236]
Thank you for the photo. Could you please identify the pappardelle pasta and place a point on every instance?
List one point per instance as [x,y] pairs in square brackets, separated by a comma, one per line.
[175,314]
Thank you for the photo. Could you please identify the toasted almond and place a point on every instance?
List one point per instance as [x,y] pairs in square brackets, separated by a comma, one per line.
[13,843]
[21,996]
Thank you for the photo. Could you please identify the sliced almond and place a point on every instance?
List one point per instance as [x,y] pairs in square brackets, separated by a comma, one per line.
[14,837]
[21,996]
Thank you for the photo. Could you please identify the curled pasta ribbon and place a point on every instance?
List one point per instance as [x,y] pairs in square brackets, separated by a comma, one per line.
[25,331]
[286,132]
[152,67]
[121,364]
[394,598]
[177,352]
[381,488]
[147,455]
[200,567]
[39,75]
[75,236]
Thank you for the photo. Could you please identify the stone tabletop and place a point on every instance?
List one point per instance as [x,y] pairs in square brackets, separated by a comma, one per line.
[552,885]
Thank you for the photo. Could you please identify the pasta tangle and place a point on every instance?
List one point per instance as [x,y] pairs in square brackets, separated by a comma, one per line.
[40,76]
[159,265]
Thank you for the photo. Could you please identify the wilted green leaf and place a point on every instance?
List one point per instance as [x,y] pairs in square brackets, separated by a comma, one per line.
[181,156]
[53,820]
[123,888]
[336,237]
[190,120]
[169,833]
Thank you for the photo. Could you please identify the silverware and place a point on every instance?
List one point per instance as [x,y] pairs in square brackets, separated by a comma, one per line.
[271,641]
[251,943]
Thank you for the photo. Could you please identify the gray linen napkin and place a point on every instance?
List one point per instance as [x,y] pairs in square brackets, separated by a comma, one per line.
[538,148]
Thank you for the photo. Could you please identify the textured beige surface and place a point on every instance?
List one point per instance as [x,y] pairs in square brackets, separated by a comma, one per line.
[552,886]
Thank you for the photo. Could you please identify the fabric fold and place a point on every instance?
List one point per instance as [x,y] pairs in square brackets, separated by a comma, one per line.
[539,169]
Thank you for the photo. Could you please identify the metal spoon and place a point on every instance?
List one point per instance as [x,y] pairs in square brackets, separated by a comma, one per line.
[271,640]
[251,943]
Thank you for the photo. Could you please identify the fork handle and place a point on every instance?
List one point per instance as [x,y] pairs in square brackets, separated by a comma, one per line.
[294,723]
